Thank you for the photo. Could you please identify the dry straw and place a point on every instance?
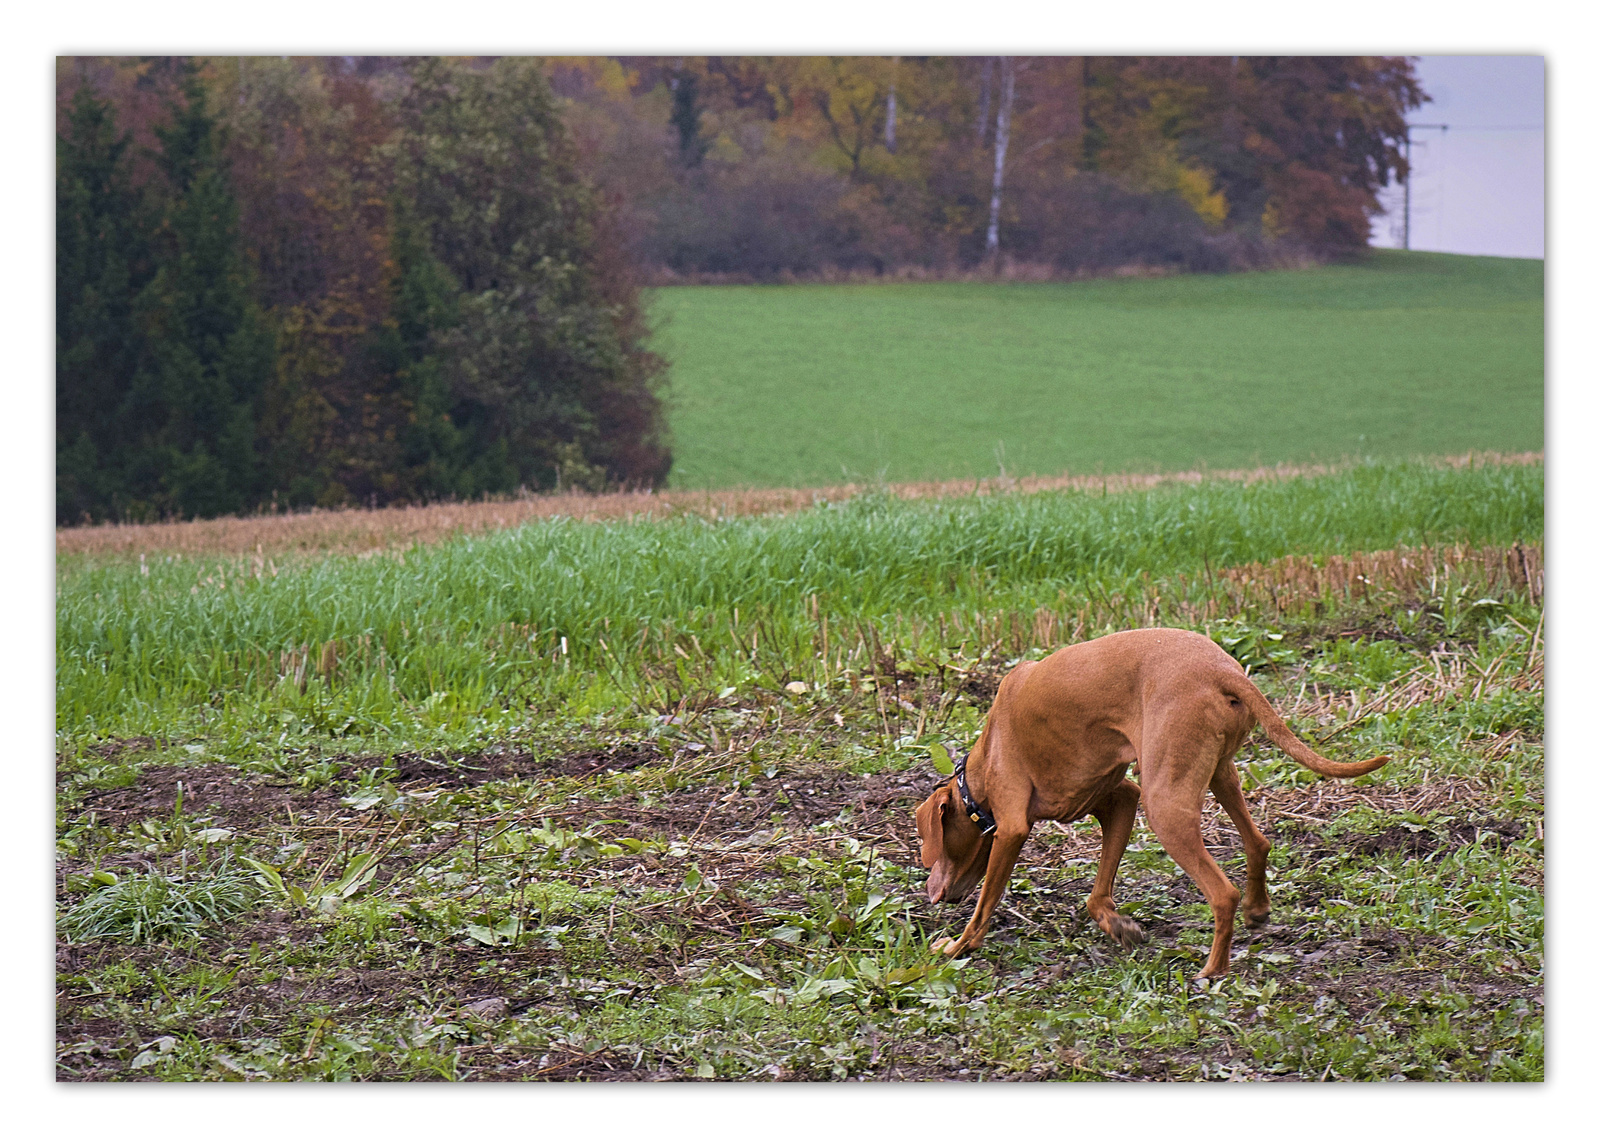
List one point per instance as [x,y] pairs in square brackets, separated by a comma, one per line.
[360,531]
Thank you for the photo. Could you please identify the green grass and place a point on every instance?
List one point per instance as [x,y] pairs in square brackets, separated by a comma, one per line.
[458,640]
[1404,355]
[153,906]
[744,902]
[781,942]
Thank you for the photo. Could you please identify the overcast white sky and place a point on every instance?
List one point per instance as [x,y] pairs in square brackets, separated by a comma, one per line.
[1478,187]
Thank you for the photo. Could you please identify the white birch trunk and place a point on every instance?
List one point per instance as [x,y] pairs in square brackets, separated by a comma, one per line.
[1002,139]
[888,124]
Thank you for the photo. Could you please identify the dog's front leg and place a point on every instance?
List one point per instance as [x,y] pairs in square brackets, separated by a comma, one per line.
[1002,860]
[1116,813]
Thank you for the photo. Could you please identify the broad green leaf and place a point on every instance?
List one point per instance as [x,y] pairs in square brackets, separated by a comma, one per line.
[361,870]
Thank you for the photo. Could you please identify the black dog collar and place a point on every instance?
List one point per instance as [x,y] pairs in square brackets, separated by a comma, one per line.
[978,814]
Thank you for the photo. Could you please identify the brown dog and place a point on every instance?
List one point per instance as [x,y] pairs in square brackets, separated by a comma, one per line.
[1058,741]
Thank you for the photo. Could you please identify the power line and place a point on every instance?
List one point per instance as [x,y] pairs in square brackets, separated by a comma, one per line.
[1518,126]
[1441,128]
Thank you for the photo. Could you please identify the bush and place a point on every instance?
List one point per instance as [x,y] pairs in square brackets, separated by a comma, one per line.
[1093,224]
[771,213]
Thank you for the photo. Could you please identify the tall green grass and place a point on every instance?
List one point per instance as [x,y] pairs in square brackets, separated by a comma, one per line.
[467,636]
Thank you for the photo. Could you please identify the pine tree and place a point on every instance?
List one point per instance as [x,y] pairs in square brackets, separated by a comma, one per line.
[423,297]
[102,261]
[208,351]
[686,119]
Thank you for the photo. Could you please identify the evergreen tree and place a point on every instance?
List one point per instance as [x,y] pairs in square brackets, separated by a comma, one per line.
[207,352]
[692,146]
[423,296]
[102,261]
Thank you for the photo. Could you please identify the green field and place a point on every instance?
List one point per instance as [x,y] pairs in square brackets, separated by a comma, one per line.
[634,800]
[1407,354]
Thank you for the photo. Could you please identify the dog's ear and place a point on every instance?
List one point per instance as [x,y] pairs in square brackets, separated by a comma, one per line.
[930,826]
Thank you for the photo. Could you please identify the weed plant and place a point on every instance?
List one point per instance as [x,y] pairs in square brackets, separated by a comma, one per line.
[146,907]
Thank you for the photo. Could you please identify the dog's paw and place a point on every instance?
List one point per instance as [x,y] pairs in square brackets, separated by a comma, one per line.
[1126,931]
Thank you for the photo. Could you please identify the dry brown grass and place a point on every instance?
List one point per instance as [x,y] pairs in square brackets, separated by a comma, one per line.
[1294,580]
[358,531]
[1288,587]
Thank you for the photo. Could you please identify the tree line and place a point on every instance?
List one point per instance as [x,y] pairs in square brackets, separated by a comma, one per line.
[762,168]
[294,282]
[280,283]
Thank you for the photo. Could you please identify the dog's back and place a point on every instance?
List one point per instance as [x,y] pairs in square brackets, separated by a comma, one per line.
[1135,680]
[1118,682]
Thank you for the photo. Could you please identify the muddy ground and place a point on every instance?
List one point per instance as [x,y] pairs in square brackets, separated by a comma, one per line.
[735,834]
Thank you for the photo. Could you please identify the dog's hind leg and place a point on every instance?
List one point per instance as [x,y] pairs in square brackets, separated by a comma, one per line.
[1115,813]
[1225,786]
[1173,790]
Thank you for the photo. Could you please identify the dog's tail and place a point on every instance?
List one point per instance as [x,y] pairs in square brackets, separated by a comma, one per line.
[1278,731]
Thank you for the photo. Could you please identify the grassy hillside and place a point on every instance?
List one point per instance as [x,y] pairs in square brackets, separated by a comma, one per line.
[1406,354]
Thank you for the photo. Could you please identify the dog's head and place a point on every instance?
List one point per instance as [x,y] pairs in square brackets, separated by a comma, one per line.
[953,846]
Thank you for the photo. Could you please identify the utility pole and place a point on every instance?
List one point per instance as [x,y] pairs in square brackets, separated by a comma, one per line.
[1441,128]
